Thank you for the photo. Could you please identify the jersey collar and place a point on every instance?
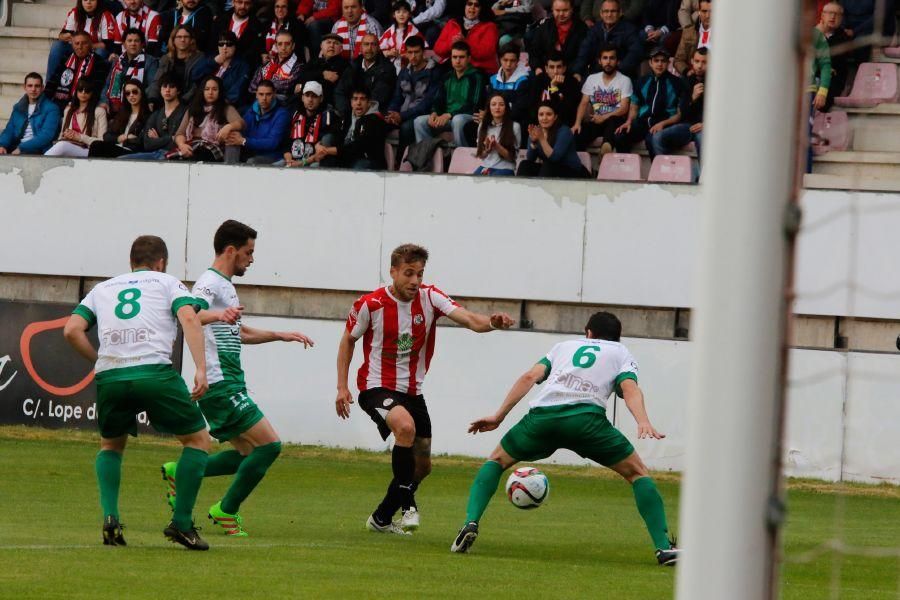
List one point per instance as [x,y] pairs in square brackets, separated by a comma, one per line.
[219,273]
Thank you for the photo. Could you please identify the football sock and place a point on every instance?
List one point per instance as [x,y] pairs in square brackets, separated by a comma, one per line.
[400,490]
[412,500]
[109,477]
[190,469]
[482,490]
[249,474]
[650,505]
[224,463]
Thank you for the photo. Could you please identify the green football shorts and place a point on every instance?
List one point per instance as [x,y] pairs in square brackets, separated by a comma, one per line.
[157,389]
[229,411]
[582,428]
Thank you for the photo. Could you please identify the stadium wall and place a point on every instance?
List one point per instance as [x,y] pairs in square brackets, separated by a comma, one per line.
[573,242]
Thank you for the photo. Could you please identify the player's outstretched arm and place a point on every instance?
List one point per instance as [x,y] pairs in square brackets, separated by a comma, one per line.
[193,337]
[249,335]
[75,333]
[228,315]
[344,356]
[481,323]
[634,400]
[518,391]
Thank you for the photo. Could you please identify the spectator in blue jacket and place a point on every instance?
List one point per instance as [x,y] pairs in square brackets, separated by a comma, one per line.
[34,121]
[551,148]
[655,105]
[417,84]
[266,124]
[611,30]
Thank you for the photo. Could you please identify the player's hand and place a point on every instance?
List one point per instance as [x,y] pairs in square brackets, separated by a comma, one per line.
[200,385]
[296,336]
[485,424]
[502,321]
[646,430]
[231,314]
[343,402]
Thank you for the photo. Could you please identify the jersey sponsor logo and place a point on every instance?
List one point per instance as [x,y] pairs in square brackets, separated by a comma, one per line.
[205,291]
[404,343]
[573,382]
[135,335]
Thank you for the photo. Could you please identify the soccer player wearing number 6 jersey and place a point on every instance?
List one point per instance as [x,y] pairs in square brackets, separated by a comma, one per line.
[232,414]
[570,412]
[397,325]
[136,316]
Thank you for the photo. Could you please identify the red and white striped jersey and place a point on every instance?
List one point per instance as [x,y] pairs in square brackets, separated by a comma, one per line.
[398,337]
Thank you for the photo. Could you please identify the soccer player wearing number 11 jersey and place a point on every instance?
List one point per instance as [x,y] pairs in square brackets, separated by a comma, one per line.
[570,412]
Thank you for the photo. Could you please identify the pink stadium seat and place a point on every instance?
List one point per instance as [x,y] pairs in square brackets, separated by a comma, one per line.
[875,84]
[834,131]
[389,156]
[671,169]
[437,162]
[463,161]
[585,160]
[620,167]
[892,52]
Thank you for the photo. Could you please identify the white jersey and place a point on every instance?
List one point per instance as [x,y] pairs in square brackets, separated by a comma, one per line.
[584,371]
[222,341]
[135,317]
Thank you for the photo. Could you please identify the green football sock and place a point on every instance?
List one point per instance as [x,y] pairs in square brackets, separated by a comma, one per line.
[223,463]
[249,474]
[482,490]
[109,477]
[650,505]
[190,469]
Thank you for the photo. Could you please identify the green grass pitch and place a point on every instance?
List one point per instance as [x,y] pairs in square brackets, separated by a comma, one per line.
[308,540]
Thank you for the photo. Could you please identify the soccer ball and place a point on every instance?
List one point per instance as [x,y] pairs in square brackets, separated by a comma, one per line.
[527,488]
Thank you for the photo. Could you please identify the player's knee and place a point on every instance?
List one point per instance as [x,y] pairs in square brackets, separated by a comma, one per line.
[405,432]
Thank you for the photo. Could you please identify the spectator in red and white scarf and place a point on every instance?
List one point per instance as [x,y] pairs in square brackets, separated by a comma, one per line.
[314,128]
[353,25]
[283,71]
[134,63]
[393,40]
[88,16]
[283,19]
[138,15]
[83,123]
[83,63]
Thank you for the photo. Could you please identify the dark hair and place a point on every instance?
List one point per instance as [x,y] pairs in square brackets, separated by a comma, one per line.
[555,55]
[232,233]
[415,42]
[81,33]
[34,75]
[604,326]
[75,105]
[462,46]
[282,31]
[507,137]
[408,253]
[266,83]
[228,36]
[701,52]
[170,80]
[508,49]
[81,15]
[197,110]
[400,4]
[361,89]
[147,249]
[608,48]
[551,135]
[120,122]
[134,31]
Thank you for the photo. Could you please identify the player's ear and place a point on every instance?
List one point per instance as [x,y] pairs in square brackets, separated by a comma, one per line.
[588,333]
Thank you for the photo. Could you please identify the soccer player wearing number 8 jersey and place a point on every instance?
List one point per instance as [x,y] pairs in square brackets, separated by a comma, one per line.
[232,414]
[570,412]
[136,316]
[397,325]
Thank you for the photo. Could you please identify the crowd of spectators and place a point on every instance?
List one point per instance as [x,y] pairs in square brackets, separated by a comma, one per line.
[526,83]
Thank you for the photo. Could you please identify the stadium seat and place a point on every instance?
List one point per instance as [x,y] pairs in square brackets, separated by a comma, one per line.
[892,52]
[437,162]
[875,83]
[671,169]
[586,161]
[620,167]
[389,156]
[833,129]
[463,161]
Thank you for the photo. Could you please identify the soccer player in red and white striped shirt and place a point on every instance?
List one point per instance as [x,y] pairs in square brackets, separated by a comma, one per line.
[397,326]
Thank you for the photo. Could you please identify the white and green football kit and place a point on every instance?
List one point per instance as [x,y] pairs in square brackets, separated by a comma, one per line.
[570,411]
[135,314]
[228,408]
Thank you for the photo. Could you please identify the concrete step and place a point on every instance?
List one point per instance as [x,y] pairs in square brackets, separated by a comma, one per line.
[23,60]
[6,104]
[14,40]
[861,166]
[47,16]
[67,3]
[873,128]
[820,181]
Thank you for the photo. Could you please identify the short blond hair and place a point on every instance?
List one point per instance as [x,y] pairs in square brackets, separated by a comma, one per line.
[408,253]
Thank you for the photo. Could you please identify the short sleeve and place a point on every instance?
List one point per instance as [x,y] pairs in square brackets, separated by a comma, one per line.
[443,304]
[203,293]
[179,296]
[548,365]
[109,29]
[587,85]
[70,24]
[627,370]
[87,309]
[627,87]
[359,318]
